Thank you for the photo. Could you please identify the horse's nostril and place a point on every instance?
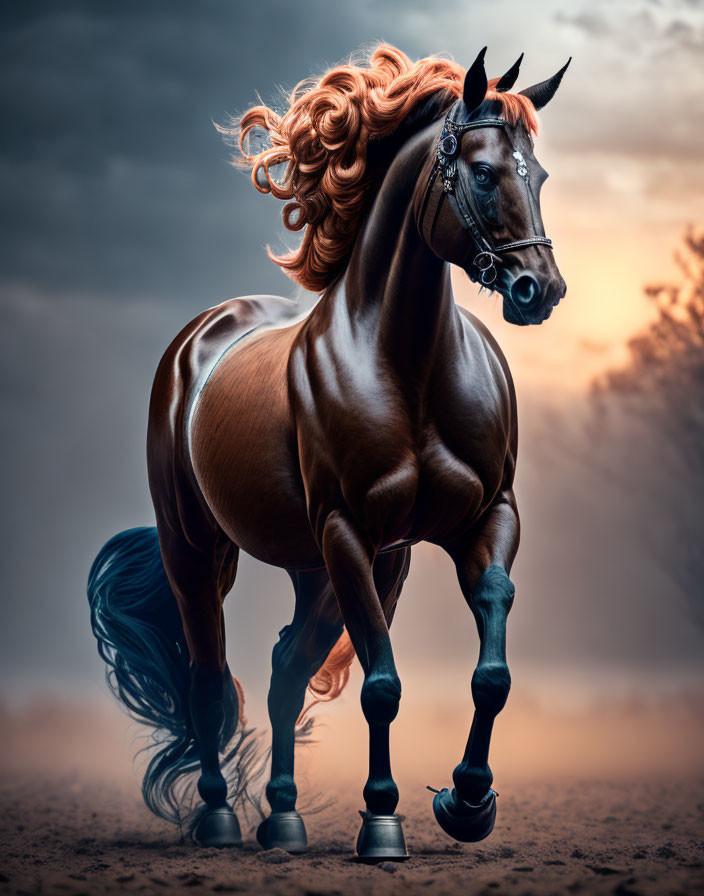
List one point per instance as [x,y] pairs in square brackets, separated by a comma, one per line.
[525,290]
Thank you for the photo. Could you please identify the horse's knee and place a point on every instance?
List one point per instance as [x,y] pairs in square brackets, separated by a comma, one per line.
[494,591]
[491,683]
[381,696]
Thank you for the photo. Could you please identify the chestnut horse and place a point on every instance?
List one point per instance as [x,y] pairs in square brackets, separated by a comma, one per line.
[329,444]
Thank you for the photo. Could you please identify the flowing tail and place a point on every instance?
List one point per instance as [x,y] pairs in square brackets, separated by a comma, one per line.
[137,624]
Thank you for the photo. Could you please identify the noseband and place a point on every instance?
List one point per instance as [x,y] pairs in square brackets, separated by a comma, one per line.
[461,201]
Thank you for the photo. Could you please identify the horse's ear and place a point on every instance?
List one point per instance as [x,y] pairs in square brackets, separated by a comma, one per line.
[475,83]
[507,81]
[541,94]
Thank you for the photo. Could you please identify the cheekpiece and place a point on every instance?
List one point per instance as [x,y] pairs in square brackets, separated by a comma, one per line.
[486,259]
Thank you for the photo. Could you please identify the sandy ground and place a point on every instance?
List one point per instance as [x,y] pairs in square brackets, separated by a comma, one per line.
[72,820]
[61,835]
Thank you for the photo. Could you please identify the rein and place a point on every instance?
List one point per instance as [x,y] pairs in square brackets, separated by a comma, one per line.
[488,253]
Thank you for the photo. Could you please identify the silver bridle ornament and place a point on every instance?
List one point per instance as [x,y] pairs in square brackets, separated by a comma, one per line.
[521,166]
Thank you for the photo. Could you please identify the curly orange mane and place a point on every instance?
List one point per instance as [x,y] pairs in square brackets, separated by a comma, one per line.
[322,140]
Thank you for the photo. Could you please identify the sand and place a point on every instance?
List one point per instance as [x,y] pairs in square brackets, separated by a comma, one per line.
[593,802]
[64,835]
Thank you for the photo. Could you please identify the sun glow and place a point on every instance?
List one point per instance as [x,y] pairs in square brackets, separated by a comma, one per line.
[607,251]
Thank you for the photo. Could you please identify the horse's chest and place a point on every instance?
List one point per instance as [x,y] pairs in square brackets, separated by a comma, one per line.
[425,493]
[409,467]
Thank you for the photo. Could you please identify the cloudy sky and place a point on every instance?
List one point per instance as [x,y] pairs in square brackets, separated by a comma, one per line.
[122,219]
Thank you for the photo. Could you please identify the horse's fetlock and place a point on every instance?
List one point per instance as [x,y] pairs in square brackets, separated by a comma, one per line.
[213,789]
[282,793]
[381,795]
[472,783]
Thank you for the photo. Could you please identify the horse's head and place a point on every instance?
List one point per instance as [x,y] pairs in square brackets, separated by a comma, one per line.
[481,206]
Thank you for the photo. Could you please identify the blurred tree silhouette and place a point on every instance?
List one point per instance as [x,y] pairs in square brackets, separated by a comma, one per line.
[650,423]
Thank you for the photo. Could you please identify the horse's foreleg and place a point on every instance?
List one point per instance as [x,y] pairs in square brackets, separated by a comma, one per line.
[349,562]
[468,812]
[300,652]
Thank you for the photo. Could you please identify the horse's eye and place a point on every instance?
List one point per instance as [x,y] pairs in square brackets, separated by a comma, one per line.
[484,177]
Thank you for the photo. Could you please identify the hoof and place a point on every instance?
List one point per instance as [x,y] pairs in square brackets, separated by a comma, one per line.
[283,830]
[217,827]
[461,820]
[381,839]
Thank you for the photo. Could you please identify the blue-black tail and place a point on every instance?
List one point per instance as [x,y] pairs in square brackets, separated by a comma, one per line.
[140,636]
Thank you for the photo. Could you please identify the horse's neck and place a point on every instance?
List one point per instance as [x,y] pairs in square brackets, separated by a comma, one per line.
[394,281]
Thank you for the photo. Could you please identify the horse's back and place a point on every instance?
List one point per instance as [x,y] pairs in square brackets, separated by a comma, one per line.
[191,357]
[182,375]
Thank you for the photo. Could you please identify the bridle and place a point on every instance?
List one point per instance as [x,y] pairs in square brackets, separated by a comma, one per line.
[462,202]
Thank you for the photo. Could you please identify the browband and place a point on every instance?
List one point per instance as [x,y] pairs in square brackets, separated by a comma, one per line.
[447,156]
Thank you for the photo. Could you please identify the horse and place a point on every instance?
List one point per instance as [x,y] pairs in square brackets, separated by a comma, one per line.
[329,443]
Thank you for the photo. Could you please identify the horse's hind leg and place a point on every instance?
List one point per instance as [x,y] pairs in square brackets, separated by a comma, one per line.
[299,653]
[200,579]
[483,564]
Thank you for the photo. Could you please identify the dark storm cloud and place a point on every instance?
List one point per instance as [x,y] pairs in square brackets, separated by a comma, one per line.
[113,177]
[113,153]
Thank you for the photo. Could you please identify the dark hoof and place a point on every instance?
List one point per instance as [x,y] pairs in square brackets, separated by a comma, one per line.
[283,830]
[217,827]
[381,839]
[461,820]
